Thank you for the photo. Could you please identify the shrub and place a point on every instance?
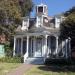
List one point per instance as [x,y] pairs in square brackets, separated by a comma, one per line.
[8,49]
[12,59]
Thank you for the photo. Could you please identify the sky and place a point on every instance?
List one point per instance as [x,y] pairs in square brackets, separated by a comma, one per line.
[54,6]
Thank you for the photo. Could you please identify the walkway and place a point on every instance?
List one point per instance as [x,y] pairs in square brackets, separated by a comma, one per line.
[21,70]
[30,62]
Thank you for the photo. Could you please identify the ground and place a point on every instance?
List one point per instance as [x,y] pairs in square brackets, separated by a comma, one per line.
[51,70]
[28,69]
[7,67]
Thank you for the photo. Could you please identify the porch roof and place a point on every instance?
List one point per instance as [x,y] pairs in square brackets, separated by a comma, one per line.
[39,31]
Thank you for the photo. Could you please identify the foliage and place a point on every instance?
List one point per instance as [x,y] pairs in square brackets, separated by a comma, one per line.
[26,6]
[8,49]
[68,26]
[12,59]
[11,12]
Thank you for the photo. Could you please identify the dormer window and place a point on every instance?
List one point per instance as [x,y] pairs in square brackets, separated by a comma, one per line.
[39,21]
[25,23]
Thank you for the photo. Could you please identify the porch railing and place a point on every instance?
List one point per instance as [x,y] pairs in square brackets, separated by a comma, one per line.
[62,46]
[25,56]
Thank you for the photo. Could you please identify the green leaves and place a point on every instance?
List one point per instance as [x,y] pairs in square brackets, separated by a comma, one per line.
[11,12]
[68,26]
[26,7]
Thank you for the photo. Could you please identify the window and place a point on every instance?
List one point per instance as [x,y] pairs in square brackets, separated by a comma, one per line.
[40,9]
[39,21]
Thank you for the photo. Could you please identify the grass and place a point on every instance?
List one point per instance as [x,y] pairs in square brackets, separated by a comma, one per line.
[7,67]
[49,70]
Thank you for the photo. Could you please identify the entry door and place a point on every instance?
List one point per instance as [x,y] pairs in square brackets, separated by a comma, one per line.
[38,51]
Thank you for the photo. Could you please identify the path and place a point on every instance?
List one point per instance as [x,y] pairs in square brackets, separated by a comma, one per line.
[30,62]
[21,70]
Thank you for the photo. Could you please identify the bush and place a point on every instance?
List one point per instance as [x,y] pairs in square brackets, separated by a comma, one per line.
[12,59]
[8,50]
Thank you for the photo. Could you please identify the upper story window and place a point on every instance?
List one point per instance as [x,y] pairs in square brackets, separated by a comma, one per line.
[39,21]
[25,23]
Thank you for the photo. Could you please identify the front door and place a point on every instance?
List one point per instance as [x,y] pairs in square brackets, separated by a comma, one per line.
[38,51]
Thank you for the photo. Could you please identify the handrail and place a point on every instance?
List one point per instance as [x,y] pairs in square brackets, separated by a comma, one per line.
[25,56]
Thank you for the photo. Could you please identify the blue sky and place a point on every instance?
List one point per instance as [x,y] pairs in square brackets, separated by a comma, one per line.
[55,6]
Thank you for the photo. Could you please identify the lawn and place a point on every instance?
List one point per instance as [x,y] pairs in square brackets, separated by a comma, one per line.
[7,67]
[51,70]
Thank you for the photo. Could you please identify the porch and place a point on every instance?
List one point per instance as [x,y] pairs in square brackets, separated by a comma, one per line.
[46,46]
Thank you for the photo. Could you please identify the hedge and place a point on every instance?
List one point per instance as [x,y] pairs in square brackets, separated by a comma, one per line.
[12,59]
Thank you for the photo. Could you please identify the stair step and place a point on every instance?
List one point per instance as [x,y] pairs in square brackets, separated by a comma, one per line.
[37,61]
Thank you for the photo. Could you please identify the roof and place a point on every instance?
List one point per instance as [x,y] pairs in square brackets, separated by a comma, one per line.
[34,31]
[46,28]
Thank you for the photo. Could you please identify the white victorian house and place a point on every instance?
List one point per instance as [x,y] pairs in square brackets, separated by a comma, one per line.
[39,36]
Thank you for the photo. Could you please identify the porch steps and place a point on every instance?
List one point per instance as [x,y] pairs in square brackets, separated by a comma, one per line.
[35,61]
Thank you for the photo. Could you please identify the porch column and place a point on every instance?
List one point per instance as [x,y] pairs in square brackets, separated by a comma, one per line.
[34,46]
[27,45]
[66,42]
[14,46]
[69,39]
[46,44]
[57,46]
[45,48]
[21,45]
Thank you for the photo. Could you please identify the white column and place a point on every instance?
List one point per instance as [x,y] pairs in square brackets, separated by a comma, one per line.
[69,39]
[45,48]
[57,46]
[34,46]
[22,46]
[66,41]
[45,44]
[31,47]
[14,46]
[27,45]
[50,45]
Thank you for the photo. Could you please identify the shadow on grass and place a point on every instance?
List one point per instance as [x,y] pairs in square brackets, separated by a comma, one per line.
[58,68]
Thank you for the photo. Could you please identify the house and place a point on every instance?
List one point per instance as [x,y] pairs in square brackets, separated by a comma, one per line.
[39,36]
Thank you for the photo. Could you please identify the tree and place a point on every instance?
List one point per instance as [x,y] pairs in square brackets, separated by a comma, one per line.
[11,12]
[26,6]
[68,26]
